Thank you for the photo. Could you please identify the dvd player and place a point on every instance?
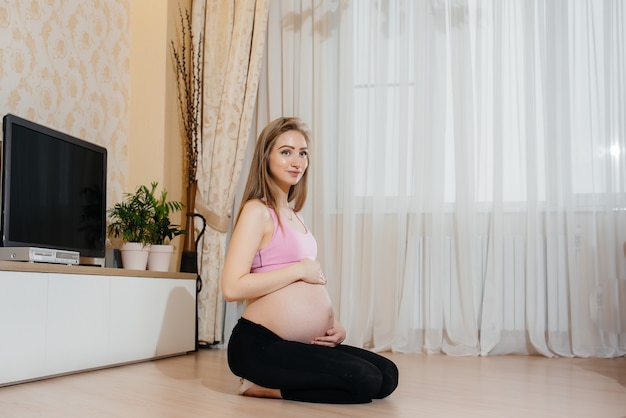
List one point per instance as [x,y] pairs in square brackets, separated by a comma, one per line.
[39,255]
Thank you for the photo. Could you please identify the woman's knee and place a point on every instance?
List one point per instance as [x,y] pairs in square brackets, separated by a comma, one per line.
[366,381]
[390,378]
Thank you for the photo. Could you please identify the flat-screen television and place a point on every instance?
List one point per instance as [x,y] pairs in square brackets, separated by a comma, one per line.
[53,190]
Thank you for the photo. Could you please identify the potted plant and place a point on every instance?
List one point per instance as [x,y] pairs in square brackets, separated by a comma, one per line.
[162,230]
[187,59]
[130,221]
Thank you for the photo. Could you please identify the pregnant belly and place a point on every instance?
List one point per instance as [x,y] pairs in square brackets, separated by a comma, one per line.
[298,312]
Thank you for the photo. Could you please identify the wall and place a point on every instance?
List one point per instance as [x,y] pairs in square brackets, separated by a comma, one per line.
[155,146]
[65,64]
[101,71]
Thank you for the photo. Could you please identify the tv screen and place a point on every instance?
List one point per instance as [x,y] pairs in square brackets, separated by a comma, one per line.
[53,190]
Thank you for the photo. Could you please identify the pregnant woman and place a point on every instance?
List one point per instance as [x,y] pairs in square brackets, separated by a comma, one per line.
[287,344]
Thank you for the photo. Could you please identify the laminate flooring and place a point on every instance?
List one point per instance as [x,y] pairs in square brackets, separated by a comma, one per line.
[200,384]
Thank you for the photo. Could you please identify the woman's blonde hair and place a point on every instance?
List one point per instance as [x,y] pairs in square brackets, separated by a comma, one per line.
[260,184]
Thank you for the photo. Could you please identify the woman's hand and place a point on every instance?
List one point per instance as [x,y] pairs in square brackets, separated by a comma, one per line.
[312,271]
[333,337]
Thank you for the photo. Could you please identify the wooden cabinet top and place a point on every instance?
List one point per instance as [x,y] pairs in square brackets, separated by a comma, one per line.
[89,270]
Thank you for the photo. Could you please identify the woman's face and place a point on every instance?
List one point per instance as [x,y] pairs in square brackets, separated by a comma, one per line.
[289,159]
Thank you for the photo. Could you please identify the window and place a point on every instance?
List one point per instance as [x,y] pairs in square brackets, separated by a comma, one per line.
[532,100]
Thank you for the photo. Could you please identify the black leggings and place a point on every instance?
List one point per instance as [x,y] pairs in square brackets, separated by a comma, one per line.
[307,372]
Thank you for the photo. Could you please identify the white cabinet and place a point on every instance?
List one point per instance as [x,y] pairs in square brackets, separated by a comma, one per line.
[63,319]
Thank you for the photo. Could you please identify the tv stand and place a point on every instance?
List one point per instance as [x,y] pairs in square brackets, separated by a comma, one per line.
[57,319]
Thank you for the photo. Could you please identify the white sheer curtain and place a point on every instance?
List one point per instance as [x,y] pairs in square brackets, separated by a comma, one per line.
[469,171]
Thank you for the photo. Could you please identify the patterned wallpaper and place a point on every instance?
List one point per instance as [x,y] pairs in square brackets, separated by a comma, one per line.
[65,64]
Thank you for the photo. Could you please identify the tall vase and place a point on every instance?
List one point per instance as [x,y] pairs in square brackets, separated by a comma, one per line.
[189,258]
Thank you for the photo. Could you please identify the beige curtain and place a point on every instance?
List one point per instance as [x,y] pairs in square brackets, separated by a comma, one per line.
[468,181]
[234,35]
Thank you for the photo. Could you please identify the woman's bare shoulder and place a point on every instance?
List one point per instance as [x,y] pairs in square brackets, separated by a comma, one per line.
[255,216]
[255,210]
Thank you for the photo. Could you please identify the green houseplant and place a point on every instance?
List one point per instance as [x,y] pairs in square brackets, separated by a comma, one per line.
[130,219]
[162,230]
[141,221]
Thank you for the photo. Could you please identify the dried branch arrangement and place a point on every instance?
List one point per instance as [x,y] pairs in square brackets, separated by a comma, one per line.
[188,67]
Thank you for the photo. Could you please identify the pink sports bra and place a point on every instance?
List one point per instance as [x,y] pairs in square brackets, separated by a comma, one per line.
[287,246]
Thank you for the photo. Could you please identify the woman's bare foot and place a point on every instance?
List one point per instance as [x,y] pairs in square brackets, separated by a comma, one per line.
[250,389]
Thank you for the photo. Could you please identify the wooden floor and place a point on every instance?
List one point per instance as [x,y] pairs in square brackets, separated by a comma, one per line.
[200,384]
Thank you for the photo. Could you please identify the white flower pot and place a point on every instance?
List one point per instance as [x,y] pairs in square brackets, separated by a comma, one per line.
[160,256]
[135,255]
